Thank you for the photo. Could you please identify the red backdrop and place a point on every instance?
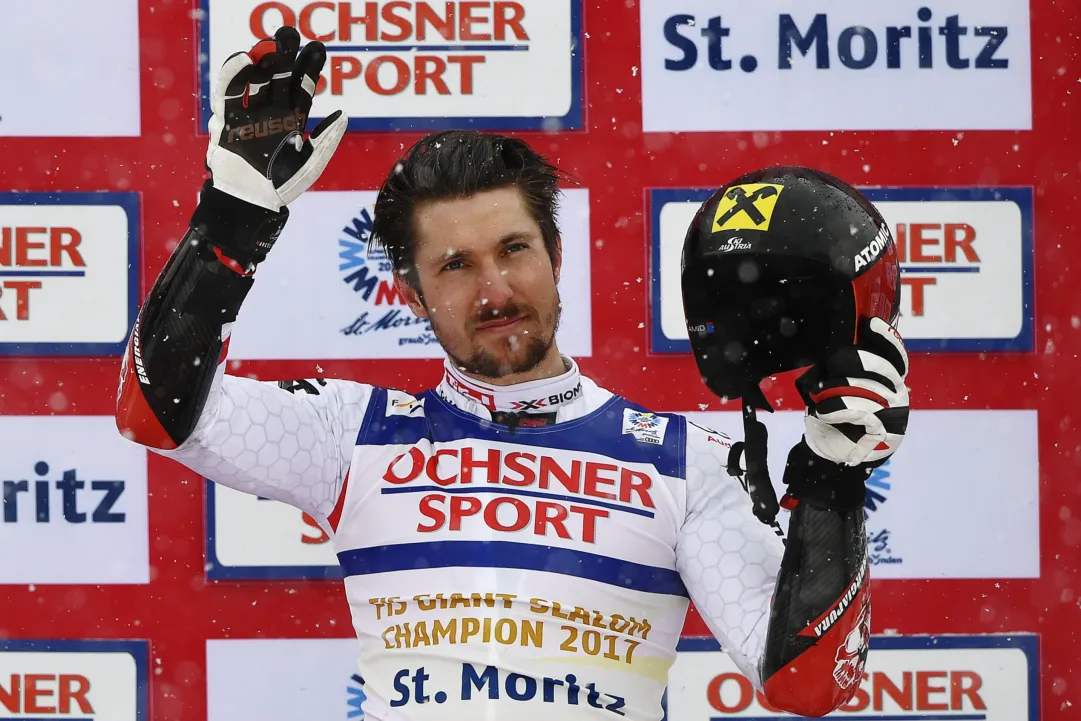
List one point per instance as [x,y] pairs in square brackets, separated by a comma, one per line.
[179,610]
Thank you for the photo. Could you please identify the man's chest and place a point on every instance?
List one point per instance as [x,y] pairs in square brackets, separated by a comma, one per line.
[482,490]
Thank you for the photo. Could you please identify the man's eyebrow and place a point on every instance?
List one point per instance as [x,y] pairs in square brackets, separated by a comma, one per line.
[516,236]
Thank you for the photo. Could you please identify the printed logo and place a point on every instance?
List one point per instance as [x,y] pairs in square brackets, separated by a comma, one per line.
[547,494]
[724,66]
[645,427]
[355,698]
[423,64]
[68,273]
[879,485]
[370,274]
[483,397]
[874,249]
[851,656]
[734,244]
[73,500]
[47,679]
[403,404]
[548,401]
[701,328]
[747,207]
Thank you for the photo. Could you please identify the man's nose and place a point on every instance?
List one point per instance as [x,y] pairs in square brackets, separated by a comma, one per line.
[494,288]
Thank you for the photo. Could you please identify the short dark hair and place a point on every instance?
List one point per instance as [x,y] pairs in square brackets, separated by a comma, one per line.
[458,164]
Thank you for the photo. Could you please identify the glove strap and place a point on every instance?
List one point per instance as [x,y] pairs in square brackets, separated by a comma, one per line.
[824,484]
[243,232]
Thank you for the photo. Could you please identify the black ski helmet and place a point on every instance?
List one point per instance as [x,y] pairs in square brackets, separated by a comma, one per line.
[778,267]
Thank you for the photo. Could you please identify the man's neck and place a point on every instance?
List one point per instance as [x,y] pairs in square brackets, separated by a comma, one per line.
[541,394]
[552,366]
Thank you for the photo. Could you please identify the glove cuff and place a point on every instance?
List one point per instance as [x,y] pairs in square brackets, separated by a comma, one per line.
[824,484]
[240,230]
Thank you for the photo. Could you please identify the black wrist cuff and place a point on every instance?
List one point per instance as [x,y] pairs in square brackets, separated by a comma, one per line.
[824,484]
[242,231]
[205,288]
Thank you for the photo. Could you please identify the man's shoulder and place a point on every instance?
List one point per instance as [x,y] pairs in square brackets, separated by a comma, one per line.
[697,431]
[330,392]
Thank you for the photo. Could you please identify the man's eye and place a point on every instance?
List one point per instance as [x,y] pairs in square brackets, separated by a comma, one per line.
[515,247]
[454,265]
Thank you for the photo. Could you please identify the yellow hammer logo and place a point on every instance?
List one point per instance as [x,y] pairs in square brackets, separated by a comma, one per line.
[747,207]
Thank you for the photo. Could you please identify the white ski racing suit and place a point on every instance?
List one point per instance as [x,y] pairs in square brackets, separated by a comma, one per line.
[534,573]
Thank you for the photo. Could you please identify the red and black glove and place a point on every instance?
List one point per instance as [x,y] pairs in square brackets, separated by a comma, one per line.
[857,417]
[258,152]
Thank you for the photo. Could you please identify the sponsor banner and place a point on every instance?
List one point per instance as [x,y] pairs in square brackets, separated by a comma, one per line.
[74,502]
[325,294]
[73,680]
[723,65]
[985,678]
[959,499]
[283,679]
[249,536]
[966,266]
[69,272]
[421,64]
[73,69]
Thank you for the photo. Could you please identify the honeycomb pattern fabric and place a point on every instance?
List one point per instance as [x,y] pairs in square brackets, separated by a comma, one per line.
[292,446]
[728,559]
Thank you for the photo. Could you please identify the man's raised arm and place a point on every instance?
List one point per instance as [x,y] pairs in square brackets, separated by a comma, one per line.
[174,395]
[795,618]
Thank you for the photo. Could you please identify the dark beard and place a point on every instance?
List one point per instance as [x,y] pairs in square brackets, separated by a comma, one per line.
[485,364]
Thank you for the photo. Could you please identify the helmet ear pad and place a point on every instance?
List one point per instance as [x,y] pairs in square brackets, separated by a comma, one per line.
[753,315]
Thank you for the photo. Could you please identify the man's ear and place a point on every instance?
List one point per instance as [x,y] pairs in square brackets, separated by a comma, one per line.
[557,258]
[410,295]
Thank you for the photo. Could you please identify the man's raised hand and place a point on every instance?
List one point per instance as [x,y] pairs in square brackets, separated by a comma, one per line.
[261,101]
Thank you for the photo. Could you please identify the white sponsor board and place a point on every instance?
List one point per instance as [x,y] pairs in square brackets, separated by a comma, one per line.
[422,64]
[74,502]
[253,537]
[966,266]
[73,680]
[959,498]
[985,677]
[283,679]
[729,65]
[82,61]
[990,677]
[324,294]
[69,272]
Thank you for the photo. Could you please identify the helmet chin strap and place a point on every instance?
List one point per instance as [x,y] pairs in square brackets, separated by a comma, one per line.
[756,480]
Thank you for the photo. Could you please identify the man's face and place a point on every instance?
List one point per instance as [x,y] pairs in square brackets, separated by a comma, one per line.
[486,282]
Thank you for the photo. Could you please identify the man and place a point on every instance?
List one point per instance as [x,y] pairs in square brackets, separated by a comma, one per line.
[517,543]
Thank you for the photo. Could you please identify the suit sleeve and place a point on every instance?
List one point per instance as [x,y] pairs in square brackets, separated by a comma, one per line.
[727,558]
[794,616]
[289,441]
